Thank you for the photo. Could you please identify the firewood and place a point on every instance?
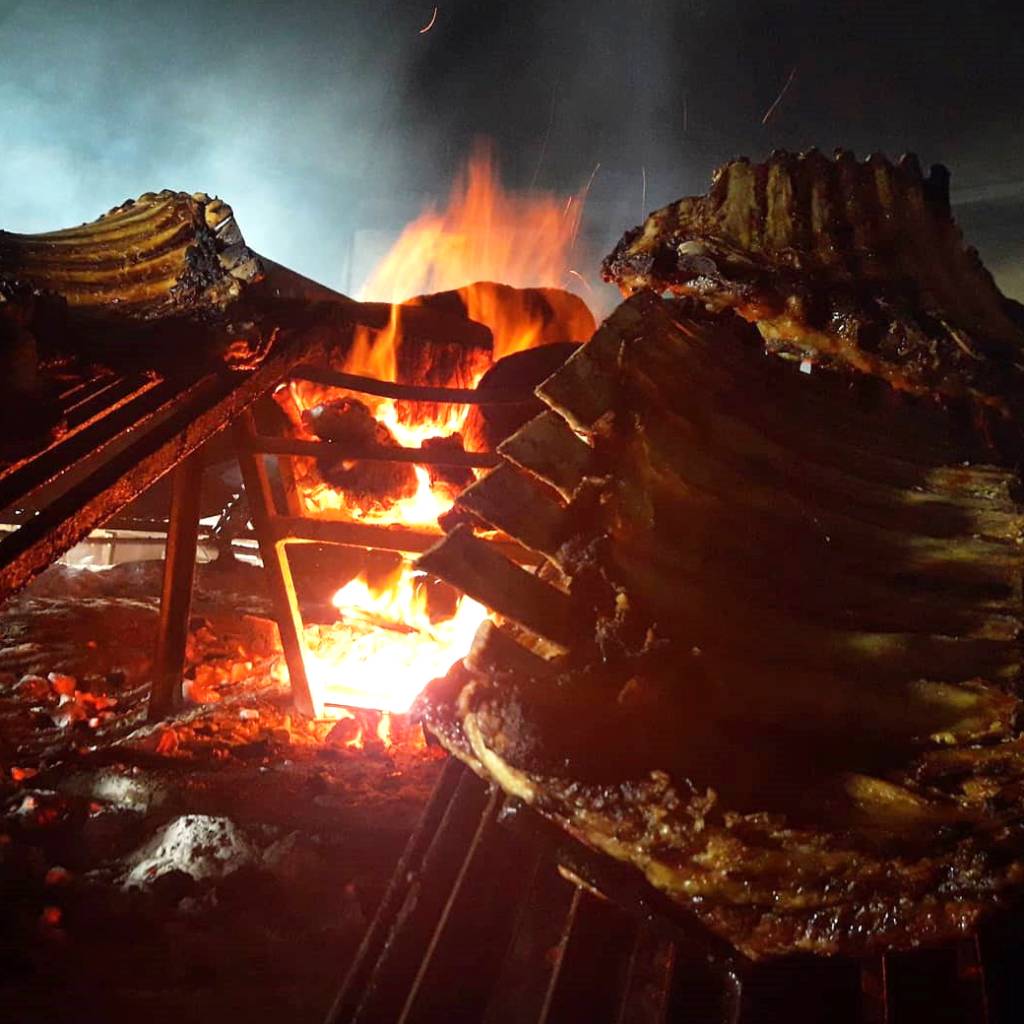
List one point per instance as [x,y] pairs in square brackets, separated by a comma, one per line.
[488,425]
[349,422]
[449,477]
[546,314]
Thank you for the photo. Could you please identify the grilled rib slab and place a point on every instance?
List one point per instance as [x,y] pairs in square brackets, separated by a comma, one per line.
[165,262]
[778,671]
[854,263]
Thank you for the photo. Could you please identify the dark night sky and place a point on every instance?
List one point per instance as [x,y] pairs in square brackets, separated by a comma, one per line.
[318,121]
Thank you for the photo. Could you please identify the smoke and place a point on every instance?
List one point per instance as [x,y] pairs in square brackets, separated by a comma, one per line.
[284,112]
[329,125]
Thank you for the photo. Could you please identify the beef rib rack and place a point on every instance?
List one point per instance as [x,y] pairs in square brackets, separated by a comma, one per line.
[771,658]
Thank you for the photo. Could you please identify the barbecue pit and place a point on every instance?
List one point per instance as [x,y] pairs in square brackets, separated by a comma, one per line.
[568,932]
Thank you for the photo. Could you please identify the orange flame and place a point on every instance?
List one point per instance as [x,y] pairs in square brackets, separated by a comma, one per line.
[485,234]
[385,646]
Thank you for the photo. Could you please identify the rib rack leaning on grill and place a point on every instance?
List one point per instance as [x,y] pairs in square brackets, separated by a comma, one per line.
[772,656]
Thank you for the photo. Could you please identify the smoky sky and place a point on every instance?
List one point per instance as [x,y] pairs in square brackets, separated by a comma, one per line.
[327,126]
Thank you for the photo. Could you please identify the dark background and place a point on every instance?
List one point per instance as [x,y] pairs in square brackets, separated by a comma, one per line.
[328,125]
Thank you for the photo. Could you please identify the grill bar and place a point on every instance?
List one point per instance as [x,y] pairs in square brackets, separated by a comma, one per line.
[479,925]
[90,438]
[409,392]
[379,453]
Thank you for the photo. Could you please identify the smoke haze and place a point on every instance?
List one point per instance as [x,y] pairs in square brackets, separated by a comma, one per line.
[328,126]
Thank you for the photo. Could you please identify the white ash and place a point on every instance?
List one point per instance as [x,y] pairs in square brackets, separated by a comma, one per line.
[200,845]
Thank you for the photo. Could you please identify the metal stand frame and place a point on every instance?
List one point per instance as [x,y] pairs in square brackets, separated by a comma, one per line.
[176,593]
[276,530]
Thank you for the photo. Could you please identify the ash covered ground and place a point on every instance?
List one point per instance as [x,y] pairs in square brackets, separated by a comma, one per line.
[220,865]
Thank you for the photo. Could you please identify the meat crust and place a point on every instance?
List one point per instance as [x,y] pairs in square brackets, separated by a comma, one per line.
[791,690]
[854,263]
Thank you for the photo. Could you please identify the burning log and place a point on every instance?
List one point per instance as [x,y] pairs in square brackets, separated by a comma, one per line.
[519,318]
[349,422]
[488,425]
[450,478]
[780,587]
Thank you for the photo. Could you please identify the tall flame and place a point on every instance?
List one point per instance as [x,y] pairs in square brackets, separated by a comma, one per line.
[385,646]
[485,234]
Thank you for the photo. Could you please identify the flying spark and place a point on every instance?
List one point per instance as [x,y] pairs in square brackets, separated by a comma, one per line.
[778,99]
[430,24]
[583,200]
[582,279]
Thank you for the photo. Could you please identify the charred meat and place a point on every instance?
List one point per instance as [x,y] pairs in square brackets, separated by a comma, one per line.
[772,658]
[836,260]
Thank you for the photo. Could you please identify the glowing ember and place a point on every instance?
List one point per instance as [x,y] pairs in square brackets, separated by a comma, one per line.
[385,646]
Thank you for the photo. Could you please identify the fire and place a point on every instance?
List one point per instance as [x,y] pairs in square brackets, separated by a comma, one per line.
[386,645]
[485,234]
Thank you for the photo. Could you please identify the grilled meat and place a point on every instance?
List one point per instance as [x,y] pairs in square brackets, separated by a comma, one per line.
[857,264]
[136,279]
[777,664]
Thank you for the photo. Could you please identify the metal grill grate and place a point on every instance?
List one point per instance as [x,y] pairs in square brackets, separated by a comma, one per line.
[479,925]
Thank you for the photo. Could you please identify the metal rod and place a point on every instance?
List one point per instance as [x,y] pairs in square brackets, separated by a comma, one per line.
[290,529]
[409,392]
[485,823]
[302,529]
[558,956]
[87,440]
[176,597]
[971,975]
[168,435]
[373,453]
[405,876]
[275,562]
[874,988]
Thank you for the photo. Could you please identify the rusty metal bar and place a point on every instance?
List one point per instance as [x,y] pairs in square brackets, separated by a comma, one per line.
[648,988]
[409,392]
[558,955]
[523,987]
[302,529]
[88,440]
[176,595]
[971,976]
[373,453]
[406,876]
[112,395]
[288,529]
[874,987]
[184,424]
[275,562]
[410,1011]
